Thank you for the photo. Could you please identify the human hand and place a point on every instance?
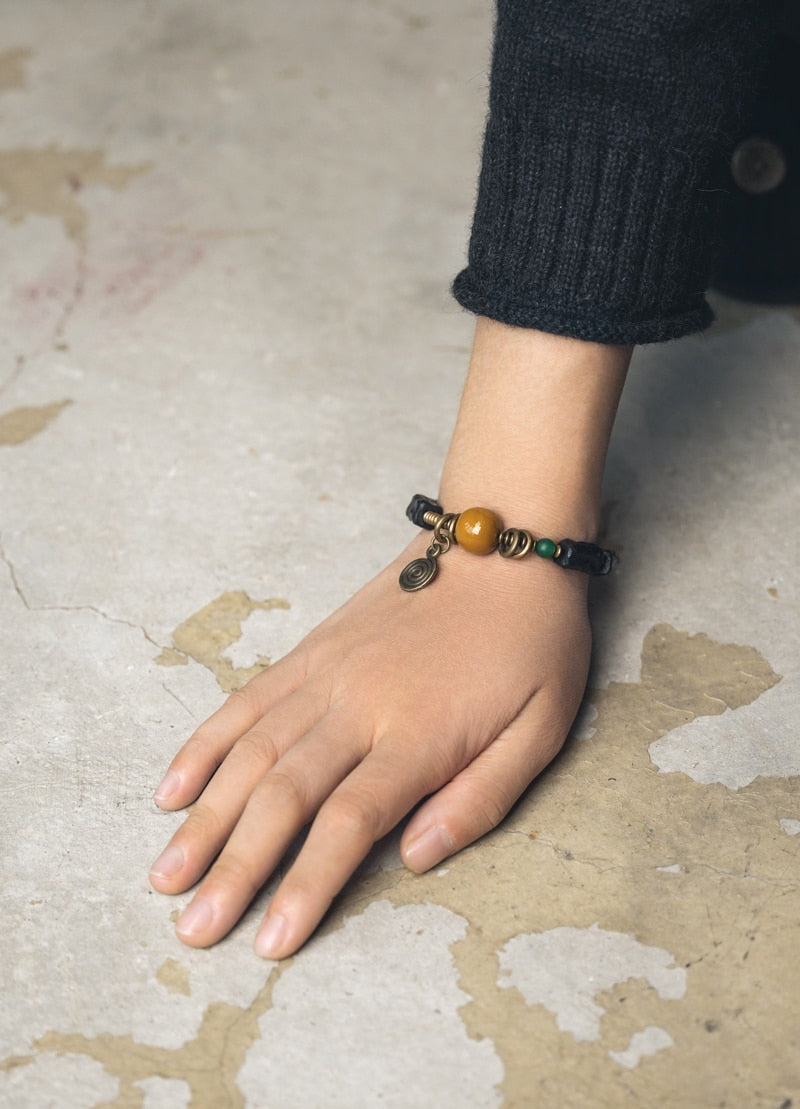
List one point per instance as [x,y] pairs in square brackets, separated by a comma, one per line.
[460,694]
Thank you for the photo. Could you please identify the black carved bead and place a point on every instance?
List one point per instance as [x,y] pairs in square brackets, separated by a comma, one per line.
[586,557]
[418,507]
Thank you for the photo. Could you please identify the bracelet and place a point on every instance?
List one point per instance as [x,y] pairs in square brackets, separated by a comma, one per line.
[480,531]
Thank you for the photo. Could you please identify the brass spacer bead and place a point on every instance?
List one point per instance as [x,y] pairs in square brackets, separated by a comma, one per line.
[515,543]
[446,525]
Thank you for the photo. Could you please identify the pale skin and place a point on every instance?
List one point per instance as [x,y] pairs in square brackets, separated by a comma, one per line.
[456,696]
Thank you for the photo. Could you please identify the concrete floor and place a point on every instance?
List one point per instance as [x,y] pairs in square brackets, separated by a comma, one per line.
[227,233]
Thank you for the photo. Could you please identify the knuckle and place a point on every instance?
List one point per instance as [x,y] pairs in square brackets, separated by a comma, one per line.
[284,790]
[259,745]
[353,816]
[232,873]
[490,807]
[201,743]
[204,748]
[202,824]
[243,698]
[239,707]
[302,889]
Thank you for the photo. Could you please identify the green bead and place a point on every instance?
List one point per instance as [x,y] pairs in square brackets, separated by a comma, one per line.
[545,548]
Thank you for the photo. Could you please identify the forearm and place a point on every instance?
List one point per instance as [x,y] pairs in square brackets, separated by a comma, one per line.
[533,428]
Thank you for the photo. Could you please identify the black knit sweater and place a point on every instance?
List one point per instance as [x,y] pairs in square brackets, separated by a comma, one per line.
[610,128]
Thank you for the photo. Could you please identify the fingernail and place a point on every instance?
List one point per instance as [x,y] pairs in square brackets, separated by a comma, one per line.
[271,936]
[168,786]
[428,849]
[196,917]
[169,862]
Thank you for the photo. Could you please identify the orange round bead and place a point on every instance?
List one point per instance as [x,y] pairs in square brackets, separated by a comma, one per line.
[477,530]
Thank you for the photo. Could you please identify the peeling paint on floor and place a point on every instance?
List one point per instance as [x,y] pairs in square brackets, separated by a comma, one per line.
[364,980]
[174,977]
[12,68]
[21,424]
[208,1064]
[49,181]
[210,632]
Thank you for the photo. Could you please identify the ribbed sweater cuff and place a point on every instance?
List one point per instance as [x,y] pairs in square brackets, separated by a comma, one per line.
[605,162]
[590,239]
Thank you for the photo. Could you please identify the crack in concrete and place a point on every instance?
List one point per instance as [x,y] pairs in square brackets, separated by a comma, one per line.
[69,608]
[175,697]
[20,363]
[12,573]
[774,882]
[770,881]
[74,299]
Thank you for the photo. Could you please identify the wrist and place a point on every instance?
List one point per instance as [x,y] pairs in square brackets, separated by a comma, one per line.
[533,428]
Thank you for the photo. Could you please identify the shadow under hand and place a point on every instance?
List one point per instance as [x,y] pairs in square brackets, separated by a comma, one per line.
[704,459]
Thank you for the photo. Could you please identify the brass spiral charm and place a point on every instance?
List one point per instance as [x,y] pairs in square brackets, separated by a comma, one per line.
[418,574]
[515,543]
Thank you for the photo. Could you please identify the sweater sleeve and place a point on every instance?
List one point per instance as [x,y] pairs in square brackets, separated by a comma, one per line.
[605,157]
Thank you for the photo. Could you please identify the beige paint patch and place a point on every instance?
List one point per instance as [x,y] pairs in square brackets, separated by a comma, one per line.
[12,68]
[49,181]
[21,424]
[586,844]
[208,1063]
[174,977]
[207,634]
